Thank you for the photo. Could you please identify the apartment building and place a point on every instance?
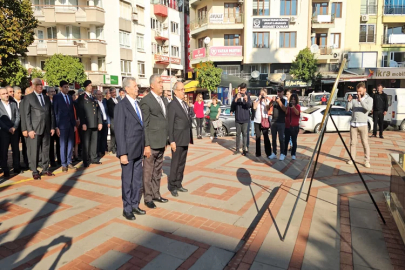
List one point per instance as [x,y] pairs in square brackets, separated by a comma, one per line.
[113,39]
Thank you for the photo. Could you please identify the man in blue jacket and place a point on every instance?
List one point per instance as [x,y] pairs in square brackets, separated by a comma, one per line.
[240,106]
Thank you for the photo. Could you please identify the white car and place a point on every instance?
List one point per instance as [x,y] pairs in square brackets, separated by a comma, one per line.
[311,119]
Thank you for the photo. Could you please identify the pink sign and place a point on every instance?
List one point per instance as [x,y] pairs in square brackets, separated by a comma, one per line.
[226,51]
[199,53]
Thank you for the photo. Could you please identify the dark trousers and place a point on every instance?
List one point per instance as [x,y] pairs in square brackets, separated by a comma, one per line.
[89,145]
[24,147]
[152,173]
[102,139]
[291,133]
[277,128]
[6,139]
[177,167]
[39,145]
[54,139]
[241,129]
[131,178]
[200,122]
[267,146]
[378,118]
[113,145]
[67,143]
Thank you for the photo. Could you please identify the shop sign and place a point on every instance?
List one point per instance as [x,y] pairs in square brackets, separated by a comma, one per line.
[216,18]
[167,59]
[295,83]
[271,23]
[199,53]
[226,51]
[111,79]
[385,73]
[167,79]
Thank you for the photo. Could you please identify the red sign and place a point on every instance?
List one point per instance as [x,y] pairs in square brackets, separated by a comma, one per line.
[167,59]
[199,53]
[226,51]
[167,79]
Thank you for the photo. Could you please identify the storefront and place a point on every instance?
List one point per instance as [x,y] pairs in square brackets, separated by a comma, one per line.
[388,77]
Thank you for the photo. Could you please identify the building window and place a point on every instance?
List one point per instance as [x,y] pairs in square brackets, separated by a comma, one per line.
[141,15]
[156,48]
[174,27]
[288,7]
[202,13]
[369,7]
[288,39]
[125,10]
[319,9]
[141,69]
[367,33]
[101,64]
[261,7]
[42,65]
[232,10]
[73,32]
[320,39]
[52,32]
[232,40]
[126,67]
[125,39]
[230,69]
[175,51]
[140,42]
[337,10]
[100,33]
[201,43]
[336,40]
[156,25]
[261,39]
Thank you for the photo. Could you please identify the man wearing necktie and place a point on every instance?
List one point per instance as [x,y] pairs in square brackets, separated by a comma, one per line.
[91,121]
[110,108]
[129,129]
[154,114]
[103,133]
[180,136]
[65,125]
[40,124]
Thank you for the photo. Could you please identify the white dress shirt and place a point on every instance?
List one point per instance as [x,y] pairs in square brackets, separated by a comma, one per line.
[160,101]
[100,103]
[65,97]
[182,105]
[135,105]
[115,100]
[8,108]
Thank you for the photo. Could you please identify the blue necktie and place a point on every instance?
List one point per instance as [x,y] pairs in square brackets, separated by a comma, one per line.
[138,113]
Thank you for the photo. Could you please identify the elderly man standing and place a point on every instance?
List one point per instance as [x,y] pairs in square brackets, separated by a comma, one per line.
[129,129]
[155,124]
[180,136]
[40,122]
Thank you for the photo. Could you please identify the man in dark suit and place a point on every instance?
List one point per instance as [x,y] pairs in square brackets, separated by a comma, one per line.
[154,114]
[180,136]
[65,123]
[9,123]
[91,122]
[122,94]
[40,123]
[18,99]
[103,133]
[110,108]
[50,92]
[129,129]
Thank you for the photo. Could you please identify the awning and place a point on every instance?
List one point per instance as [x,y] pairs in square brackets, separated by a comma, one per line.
[191,86]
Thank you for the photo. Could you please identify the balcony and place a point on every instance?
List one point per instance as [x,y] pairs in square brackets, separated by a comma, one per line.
[393,40]
[73,47]
[217,21]
[368,9]
[161,34]
[96,77]
[166,4]
[323,21]
[327,53]
[217,53]
[393,14]
[69,14]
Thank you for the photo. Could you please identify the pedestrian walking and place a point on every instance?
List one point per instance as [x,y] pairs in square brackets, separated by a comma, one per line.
[240,106]
[360,108]
[278,123]
[199,114]
[292,122]
[215,112]
[261,122]
[380,108]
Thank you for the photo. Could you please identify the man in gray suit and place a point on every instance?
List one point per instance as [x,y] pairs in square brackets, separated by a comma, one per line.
[156,131]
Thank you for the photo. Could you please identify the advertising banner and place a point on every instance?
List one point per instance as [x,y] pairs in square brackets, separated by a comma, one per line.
[226,51]
[199,53]
[271,23]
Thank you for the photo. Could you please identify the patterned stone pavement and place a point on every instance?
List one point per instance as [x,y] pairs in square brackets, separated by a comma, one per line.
[232,217]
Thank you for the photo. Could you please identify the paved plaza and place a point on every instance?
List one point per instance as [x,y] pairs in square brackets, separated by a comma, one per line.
[233,216]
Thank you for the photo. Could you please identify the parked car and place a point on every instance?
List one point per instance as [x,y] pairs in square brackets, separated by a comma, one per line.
[311,119]
[228,121]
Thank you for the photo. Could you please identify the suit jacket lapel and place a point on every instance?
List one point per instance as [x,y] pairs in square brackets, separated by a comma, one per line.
[131,109]
[157,103]
[181,107]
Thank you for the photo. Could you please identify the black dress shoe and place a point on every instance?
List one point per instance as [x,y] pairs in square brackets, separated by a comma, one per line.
[128,215]
[161,200]
[64,169]
[138,211]
[53,164]
[36,176]
[182,189]
[86,165]
[374,135]
[150,205]
[18,171]
[96,162]
[6,174]
[174,193]
[381,137]
[244,153]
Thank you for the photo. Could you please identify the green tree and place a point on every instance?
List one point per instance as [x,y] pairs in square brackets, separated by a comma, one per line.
[305,65]
[209,76]
[17,25]
[64,67]
[37,73]
[17,74]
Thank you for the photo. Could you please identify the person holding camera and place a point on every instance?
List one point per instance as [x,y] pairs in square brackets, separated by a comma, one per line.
[240,105]
[261,122]
[292,125]
[278,123]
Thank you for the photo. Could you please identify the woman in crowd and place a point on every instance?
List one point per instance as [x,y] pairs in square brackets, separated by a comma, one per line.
[199,114]
[260,112]
[215,111]
[292,119]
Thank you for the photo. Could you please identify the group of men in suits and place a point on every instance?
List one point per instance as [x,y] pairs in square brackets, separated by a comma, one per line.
[143,131]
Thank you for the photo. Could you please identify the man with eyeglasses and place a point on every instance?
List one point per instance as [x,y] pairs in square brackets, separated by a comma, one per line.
[40,123]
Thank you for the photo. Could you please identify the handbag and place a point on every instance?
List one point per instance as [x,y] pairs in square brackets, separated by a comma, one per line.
[264,121]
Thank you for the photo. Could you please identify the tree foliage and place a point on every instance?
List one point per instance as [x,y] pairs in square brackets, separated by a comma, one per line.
[17,25]
[17,74]
[209,76]
[37,73]
[305,65]
[64,67]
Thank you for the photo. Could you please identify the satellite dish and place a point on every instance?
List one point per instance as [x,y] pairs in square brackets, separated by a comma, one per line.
[255,74]
[207,40]
[314,48]
[283,77]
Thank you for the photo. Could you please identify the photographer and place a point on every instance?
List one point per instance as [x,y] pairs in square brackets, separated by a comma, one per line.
[278,123]
[260,109]
[240,105]
[292,121]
